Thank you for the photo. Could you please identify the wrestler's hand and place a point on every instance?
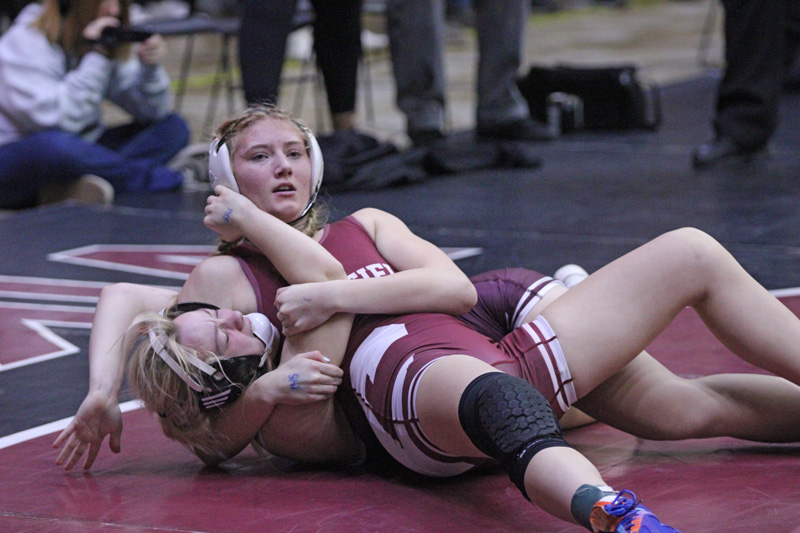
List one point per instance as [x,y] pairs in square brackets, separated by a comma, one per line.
[225,210]
[303,307]
[95,28]
[152,51]
[97,417]
[305,378]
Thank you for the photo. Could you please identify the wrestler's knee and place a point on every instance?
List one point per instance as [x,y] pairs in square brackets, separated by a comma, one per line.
[697,251]
[506,418]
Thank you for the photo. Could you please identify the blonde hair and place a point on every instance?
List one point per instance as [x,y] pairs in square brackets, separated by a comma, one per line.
[66,30]
[164,392]
[229,132]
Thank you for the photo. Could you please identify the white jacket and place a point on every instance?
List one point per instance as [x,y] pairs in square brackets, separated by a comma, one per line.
[39,91]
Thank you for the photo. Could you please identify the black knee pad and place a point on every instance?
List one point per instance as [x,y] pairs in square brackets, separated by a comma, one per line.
[506,418]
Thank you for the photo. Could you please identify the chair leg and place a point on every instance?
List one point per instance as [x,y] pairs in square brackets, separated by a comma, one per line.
[369,102]
[186,63]
[211,111]
[320,96]
[229,82]
[707,33]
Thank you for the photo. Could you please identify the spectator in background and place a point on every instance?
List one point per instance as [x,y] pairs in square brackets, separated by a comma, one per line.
[761,43]
[416,36]
[55,72]
[265,28]
[460,12]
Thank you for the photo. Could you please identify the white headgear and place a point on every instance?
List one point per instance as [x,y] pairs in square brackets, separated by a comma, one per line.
[220,171]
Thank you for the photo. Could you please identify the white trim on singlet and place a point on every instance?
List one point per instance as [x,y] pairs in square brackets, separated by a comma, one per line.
[521,312]
[406,446]
[559,375]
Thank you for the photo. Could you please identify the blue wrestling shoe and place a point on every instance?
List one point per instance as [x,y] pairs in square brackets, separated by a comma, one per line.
[624,514]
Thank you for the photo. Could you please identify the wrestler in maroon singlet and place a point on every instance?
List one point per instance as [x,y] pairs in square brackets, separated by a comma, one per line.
[386,354]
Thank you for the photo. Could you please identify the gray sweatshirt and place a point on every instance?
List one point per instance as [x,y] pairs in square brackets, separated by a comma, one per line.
[39,90]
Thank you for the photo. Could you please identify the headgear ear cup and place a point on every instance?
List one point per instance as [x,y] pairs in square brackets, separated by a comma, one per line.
[219,166]
[317,169]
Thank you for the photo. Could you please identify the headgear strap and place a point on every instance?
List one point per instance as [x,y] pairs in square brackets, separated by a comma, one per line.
[160,349]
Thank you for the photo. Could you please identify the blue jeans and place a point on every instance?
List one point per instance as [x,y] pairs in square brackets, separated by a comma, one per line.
[131,157]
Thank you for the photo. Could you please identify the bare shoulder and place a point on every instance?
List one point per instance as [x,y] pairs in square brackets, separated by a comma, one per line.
[215,268]
[375,219]
[216,280]
[371,213]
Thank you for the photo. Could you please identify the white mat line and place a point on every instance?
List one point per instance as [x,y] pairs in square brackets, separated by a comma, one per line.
[53,427]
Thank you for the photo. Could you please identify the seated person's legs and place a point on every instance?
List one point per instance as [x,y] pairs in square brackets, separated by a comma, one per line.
[159,141]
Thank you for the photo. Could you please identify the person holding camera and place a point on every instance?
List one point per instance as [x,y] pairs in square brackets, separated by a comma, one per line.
[59,61]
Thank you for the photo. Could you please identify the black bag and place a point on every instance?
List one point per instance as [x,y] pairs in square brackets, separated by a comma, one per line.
[602,98]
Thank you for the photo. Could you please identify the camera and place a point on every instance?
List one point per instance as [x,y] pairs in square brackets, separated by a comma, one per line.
[112,36]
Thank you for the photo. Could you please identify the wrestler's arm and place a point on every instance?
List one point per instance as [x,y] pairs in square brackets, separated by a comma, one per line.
[426,280]
[232,215]
[99,414]
[308,432]
[314,432]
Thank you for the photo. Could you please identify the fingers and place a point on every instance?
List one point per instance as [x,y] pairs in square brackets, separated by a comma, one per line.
[316,355]
[323,392]
[115,441]
[63,454]
[332,375]
[76,455]
[90,457]
[64,434]
[322,365]
[71,443]
[288,331]
[71,452]
[295,328]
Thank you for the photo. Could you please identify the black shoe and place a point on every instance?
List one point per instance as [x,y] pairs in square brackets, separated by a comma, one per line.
[425,138]
[724,150]
[523,129]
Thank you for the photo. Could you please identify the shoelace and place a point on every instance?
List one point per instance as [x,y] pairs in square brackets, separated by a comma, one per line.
[621,504]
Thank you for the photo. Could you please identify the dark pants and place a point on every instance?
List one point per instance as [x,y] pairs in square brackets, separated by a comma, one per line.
[761,39]
[266,25]
[131,157]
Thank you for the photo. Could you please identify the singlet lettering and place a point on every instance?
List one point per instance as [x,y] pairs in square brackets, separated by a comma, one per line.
[376,270]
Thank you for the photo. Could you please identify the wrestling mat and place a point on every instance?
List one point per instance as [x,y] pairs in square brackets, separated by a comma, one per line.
[596,196]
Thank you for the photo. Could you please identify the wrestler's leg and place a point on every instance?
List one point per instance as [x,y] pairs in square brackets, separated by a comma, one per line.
[438,396]
[553,476]
[746,406]
[609,318]
[512,296]
[546,300]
